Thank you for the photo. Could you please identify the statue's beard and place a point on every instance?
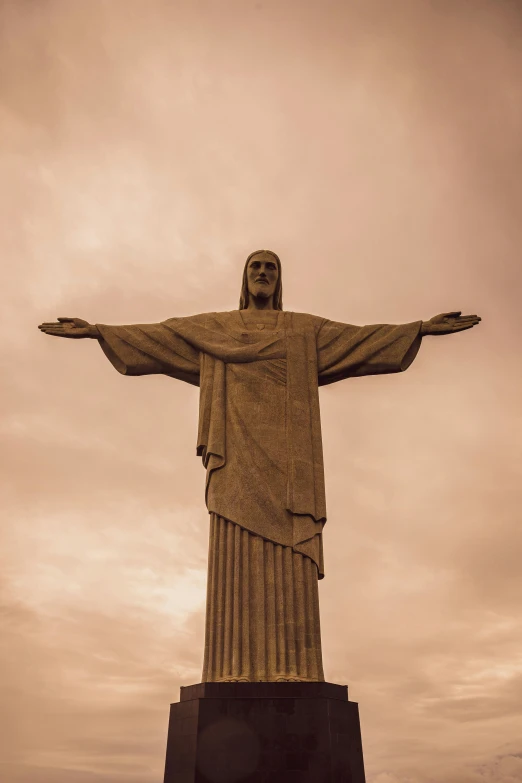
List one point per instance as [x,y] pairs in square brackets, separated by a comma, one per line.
[262,292]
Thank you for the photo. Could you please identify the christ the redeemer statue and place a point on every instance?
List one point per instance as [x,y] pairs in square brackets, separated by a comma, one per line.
[259,369]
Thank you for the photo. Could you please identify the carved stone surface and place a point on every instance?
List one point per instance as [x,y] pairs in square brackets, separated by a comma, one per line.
[264,733]
[259,627]
[259,369]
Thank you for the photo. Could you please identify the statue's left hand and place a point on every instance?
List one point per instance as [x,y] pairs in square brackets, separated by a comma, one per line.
[447,323]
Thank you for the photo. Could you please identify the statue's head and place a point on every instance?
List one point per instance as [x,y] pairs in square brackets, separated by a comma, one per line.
[262,278]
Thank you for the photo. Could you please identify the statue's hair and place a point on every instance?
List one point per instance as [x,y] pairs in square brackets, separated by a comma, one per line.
[278,293]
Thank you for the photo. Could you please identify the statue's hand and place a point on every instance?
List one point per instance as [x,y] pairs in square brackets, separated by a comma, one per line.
[447,323]
[76,328]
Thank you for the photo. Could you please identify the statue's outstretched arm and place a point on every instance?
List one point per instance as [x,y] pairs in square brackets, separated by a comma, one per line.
[135,349]
[448,323]
[76,328]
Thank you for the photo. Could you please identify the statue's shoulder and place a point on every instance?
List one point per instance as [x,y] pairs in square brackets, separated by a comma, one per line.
[203,319]
[207,319]
[304,321]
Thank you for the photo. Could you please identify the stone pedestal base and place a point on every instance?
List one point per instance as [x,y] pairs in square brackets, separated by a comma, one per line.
[264,732]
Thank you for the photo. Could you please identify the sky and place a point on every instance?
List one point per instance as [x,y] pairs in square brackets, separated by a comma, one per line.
[146,148]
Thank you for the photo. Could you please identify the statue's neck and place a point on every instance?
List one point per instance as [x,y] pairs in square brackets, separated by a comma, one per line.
[261,304]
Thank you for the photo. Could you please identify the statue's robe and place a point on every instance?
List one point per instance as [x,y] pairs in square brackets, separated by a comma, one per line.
[260,441]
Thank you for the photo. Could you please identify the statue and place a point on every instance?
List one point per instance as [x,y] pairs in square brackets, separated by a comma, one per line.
[259,369]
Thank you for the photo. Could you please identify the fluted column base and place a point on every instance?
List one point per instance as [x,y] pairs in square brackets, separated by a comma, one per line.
[262,618]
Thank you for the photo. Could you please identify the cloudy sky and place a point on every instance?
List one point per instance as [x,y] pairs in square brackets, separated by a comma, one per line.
[147,146]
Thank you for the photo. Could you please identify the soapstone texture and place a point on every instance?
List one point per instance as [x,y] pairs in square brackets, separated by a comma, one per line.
[262,619]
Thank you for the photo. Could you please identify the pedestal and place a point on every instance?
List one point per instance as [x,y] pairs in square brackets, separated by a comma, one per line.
[264,732]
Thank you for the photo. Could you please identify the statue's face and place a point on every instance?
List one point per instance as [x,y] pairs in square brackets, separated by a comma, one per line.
[262,274]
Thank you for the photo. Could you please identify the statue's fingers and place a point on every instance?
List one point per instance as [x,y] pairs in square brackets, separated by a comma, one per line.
[454,314]
[55,332]
[466,320]
[52,324]
[474,317]
[462,327]
[70,320]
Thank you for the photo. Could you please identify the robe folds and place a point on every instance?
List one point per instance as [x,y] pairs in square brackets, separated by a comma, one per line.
[259,430]
[262,619]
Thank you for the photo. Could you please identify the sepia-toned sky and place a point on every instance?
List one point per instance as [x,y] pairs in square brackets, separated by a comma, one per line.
[146,148]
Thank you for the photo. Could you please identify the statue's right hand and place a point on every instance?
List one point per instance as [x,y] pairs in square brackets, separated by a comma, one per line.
[69,327]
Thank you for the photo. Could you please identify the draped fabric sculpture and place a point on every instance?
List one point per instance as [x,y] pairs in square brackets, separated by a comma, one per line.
[259,369]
